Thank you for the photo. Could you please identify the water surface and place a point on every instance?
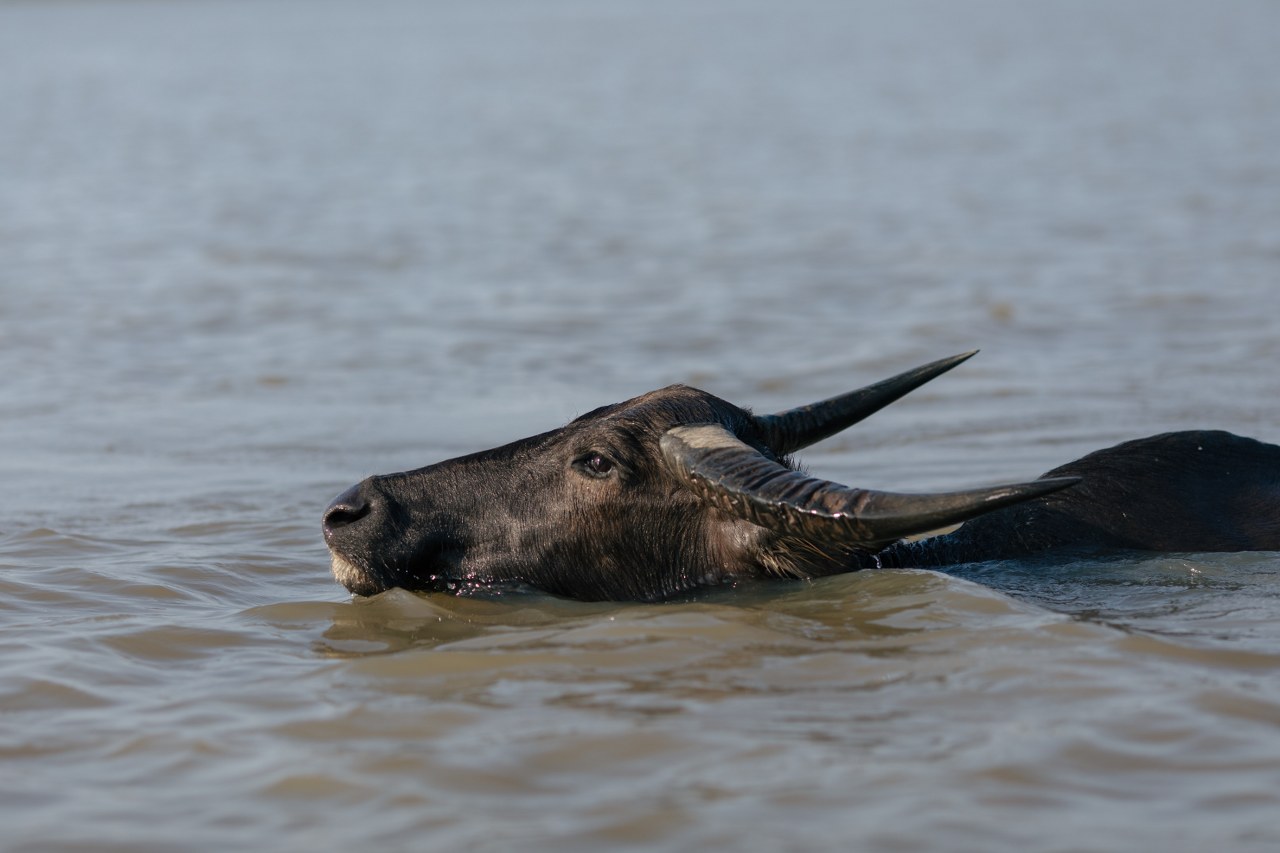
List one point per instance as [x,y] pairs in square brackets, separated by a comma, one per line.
[251,253]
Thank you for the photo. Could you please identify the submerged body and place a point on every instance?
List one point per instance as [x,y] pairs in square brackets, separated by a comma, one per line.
[678,489]
[1195,491]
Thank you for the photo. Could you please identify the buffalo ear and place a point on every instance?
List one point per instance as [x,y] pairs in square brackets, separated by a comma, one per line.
[736,478]
[789,431]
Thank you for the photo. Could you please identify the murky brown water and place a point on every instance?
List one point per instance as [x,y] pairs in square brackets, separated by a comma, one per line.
[250,253]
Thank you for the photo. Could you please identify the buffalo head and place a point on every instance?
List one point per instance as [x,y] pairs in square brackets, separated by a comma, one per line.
[642,500]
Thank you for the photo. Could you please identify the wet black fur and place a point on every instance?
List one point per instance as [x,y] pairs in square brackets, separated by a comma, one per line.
[534,513]
[1176,492]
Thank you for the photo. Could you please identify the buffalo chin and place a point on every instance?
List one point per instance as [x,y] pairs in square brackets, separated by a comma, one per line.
[363,582]
[355,579]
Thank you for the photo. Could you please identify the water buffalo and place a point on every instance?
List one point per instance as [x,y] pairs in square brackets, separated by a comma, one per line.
[677,489]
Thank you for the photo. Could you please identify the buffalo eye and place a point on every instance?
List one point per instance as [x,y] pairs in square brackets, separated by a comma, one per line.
[596,464]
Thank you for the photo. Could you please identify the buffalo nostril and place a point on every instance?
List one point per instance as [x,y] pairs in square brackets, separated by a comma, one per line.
[344,514]
[346,509]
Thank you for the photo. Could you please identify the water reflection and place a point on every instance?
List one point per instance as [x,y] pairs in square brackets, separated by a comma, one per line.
[1200,597]
[873,614]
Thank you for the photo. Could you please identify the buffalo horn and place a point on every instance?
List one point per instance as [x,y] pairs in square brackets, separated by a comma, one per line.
[789,431]
[723,470]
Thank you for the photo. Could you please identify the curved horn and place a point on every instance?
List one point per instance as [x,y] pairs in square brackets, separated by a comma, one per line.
[731,475]
[789,431]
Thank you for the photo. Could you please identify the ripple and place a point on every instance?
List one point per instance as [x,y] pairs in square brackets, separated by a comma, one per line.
[402,233]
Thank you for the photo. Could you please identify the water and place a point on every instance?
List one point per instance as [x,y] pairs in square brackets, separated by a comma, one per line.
[250,253]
